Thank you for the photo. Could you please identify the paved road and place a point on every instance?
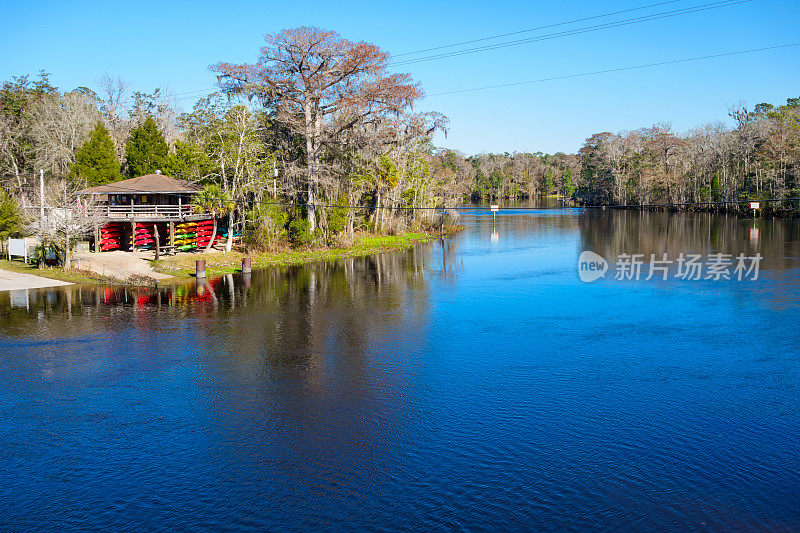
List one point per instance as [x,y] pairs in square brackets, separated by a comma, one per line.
[10,281]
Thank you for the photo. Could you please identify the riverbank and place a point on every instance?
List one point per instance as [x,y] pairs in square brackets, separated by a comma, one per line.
[220,263]
[742,209]
[107,268]
[111,268]
[72,275]
[11,281]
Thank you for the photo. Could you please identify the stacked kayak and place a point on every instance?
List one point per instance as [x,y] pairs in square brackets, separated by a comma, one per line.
[111,236]
[186,236]
[205,232]
[144,239]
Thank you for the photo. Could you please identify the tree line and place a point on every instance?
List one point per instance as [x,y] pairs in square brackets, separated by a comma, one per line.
[712,165]
[757,159]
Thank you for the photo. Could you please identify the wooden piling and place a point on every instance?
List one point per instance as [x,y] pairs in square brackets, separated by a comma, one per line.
[133,234]
[158,241]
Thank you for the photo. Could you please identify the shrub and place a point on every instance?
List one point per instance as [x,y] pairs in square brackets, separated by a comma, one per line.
[299,229]
[266,226]
[336,218]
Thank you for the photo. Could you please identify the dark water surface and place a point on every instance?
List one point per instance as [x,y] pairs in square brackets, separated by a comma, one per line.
[475,384]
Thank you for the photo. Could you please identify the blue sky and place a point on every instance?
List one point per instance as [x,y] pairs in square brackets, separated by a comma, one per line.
[171,44]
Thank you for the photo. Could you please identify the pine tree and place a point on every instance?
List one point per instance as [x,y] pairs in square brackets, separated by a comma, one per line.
[96,161]
[188,162]
[146,150]
[12,221]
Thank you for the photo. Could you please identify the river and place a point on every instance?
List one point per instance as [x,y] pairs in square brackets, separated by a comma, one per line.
[471,384]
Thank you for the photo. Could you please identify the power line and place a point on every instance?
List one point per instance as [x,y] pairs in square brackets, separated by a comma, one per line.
[187,95]
[619,69]
[577,31]
[519,208]
[535,29]
[506,208]
[612,70]
[196,91]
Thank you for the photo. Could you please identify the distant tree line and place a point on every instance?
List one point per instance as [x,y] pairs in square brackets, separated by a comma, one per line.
[757,159]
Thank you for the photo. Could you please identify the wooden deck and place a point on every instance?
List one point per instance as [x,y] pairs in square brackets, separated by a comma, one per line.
[147,213]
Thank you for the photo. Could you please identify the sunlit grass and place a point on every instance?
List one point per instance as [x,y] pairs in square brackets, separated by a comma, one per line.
[218,263]
[71,275]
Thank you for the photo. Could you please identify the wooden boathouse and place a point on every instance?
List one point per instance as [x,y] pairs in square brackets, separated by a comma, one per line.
[152,212]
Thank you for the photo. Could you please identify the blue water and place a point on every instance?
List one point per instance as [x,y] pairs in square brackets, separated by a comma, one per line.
[471,384]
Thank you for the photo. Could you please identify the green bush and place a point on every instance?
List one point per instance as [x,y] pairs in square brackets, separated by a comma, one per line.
[337,218]
[299,229]
[266,226]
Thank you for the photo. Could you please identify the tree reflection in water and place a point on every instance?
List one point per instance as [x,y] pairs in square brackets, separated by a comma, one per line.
[614,232]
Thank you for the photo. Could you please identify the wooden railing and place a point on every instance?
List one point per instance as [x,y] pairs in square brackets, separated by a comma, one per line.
[142,211]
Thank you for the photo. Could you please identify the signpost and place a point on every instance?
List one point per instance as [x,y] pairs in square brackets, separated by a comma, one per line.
[18,247]
[754,206]
[495,208]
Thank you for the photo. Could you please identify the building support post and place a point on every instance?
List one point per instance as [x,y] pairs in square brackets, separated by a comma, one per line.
[133,236]
[156,238]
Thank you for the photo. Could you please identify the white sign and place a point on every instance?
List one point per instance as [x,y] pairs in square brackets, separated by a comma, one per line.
[495,208]
[17,247]
[755,205]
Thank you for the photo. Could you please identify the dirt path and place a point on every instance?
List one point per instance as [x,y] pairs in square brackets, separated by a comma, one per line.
[10,281]
[119,265]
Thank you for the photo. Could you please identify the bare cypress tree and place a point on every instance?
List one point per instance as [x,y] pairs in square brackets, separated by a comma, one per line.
[306,76]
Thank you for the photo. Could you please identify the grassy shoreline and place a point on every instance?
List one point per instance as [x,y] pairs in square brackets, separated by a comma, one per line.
[218,263]
[182,266]
[72,275]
